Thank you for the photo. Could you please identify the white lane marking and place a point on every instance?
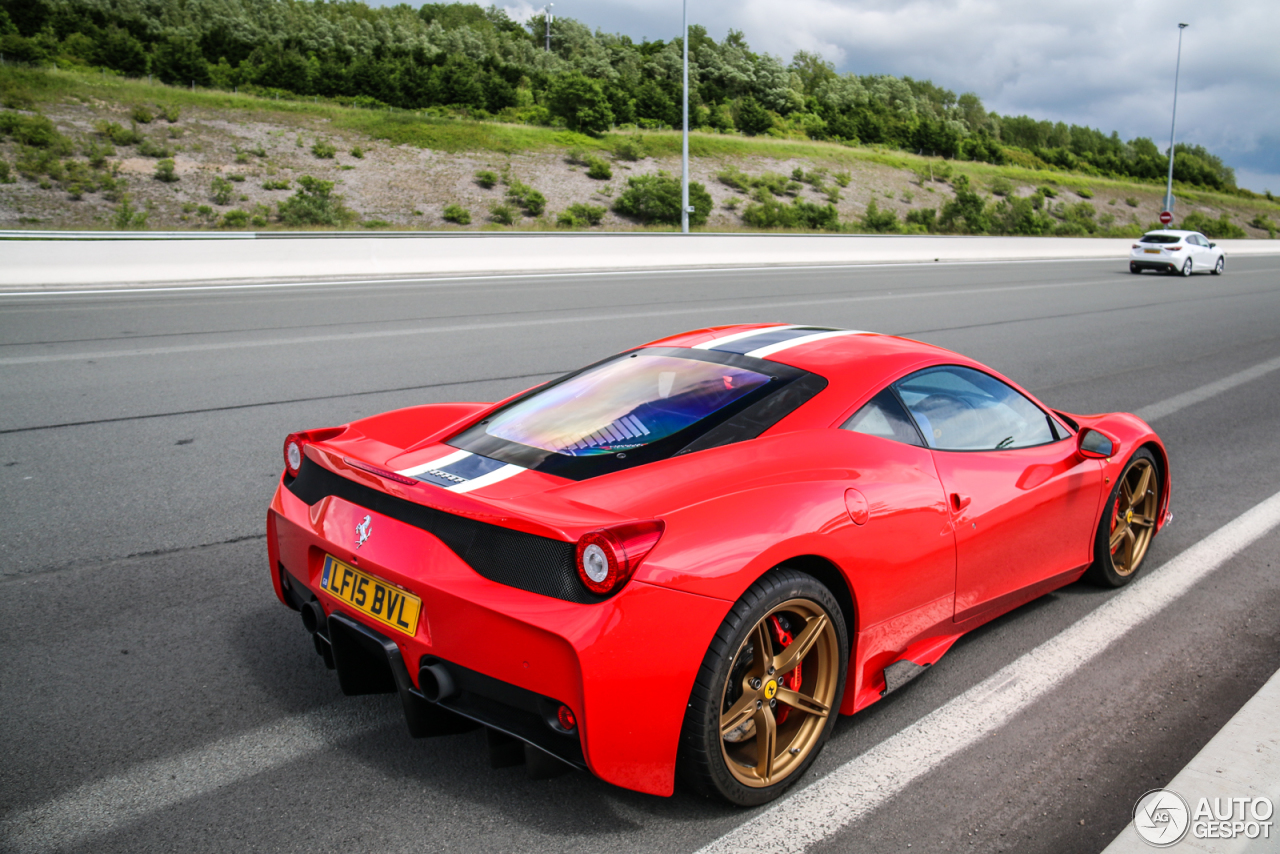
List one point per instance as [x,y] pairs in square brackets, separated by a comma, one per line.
[101,806]
[446,460]
[1206,391]
[498,277]
[738,336]
[719,307]
[808,339]
[487,479]
[863,784]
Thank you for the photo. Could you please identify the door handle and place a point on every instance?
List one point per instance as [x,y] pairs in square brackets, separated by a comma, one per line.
[959,502]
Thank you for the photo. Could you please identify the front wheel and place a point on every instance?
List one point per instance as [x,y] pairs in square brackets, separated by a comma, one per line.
[1186,267]
[766,697]
[1128,523]
[1220,266]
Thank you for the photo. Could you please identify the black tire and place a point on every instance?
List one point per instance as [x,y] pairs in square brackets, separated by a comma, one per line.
[1186,268]
[1220,266]
[701,764]
[1135,269]
[1103,572]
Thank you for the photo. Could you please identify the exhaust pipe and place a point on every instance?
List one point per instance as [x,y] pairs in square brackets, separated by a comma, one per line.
[313,616]
[436,683]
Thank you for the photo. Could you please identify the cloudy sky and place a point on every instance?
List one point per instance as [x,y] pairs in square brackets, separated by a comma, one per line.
[1097,62]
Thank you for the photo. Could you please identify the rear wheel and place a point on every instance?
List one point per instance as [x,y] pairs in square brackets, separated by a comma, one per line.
[1128,523]
[1186,267]
[1220,266]
[765,699]
[1134,268]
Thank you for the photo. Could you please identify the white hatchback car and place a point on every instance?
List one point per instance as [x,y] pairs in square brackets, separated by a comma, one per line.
[1184,252]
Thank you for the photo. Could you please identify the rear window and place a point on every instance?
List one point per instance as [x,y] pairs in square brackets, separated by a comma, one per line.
[638,408]
[623,405]
[1160,238]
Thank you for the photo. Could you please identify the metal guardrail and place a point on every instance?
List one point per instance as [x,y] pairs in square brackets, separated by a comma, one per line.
[31,234]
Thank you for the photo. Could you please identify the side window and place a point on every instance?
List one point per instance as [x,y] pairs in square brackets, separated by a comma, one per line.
[960,409]
[883,416]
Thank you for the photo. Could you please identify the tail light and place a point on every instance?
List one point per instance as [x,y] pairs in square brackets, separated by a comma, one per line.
[608,558]
[1175,248]
[295,446]
[564,715]
[1137,246]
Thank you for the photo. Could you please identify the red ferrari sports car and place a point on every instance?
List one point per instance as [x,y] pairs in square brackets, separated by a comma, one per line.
[684,560]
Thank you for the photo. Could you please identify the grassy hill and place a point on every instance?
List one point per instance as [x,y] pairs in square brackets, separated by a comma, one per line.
[85,150]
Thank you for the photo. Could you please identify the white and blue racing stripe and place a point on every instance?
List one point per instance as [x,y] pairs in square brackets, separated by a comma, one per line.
[759,343]
[462,471]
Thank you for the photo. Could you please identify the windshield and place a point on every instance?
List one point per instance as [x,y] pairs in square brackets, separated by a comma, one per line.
[623,404]
[1160,238]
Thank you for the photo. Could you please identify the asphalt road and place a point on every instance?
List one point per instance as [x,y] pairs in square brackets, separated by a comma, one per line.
[155,696]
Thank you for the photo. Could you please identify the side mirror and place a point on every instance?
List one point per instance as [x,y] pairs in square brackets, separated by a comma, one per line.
[1213,245]
[1095,445]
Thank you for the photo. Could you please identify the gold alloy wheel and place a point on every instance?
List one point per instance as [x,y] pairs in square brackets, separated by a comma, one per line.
[1133,516]
[779,693]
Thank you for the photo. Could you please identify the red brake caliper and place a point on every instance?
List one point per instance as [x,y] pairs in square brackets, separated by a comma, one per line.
[792,680]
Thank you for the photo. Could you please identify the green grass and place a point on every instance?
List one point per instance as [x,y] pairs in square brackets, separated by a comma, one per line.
[402,127]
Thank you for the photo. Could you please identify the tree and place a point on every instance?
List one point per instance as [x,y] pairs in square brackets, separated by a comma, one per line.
[581,103]
[753,119]
[314,204]
[967,212]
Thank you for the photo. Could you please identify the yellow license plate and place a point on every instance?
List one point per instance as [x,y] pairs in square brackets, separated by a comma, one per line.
[1152,251]
[371,596]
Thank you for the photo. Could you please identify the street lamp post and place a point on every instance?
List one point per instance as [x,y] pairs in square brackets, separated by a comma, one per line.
[550,6]
[684,136]
[1168,193]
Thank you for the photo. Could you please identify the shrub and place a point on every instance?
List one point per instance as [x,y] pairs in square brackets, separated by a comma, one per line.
[204,210]
[967,212]
[503,213]
[170,114]
[258,221]
[833,194]
[147,148]
[357,153]
[118,134]
[323,149]
[842,178]
[1222,227]
[487,179]
[1084,193]
[1001,186]
[165,171]
[1048,192]
[797,174]
[128,218]
[768,212]
[907,196]
[598,169]
[734,177]
[1264,223]
[656,199]
[5,176]
[258,151]
[234,219]
[580,215]
[314,204]
[141,115]
[275,185]
[877,221]
[242,157]
[220,190]
[36,132]
[457,213]
[1131,201]
[630,148]
[375,223]
[925,219]
[532,201]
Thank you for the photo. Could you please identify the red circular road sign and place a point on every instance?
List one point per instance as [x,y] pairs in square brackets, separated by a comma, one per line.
[1165,217]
